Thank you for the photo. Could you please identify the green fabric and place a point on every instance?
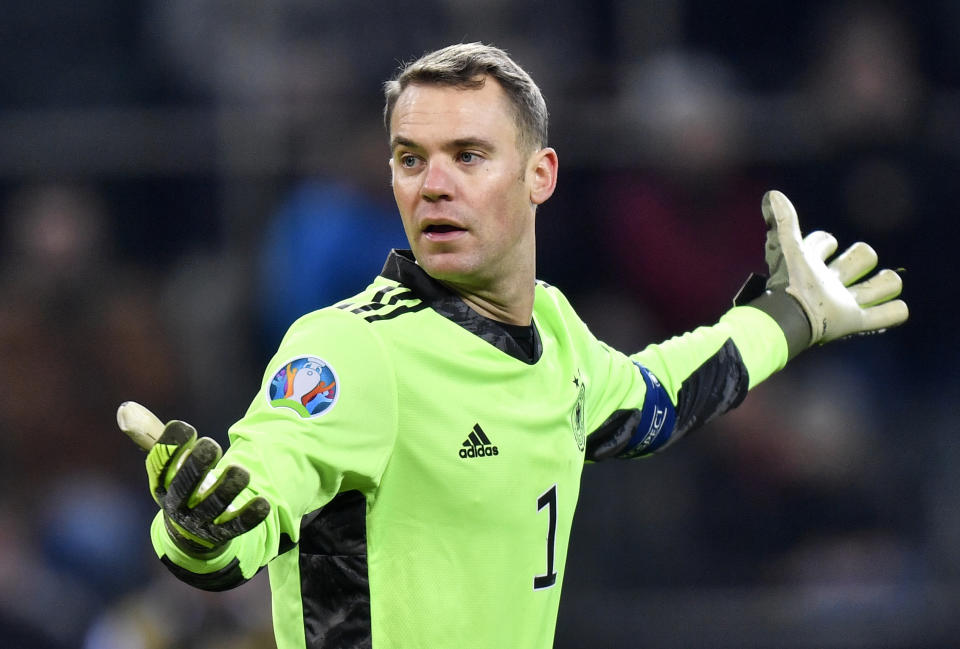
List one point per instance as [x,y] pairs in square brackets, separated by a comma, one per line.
[454,543]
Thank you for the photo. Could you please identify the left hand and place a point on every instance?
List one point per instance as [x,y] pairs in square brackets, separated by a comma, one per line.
[835,302]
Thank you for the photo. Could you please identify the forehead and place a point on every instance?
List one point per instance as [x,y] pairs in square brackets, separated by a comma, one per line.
[440,111]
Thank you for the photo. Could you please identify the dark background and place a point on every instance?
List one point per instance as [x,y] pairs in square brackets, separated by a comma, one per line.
[179,179]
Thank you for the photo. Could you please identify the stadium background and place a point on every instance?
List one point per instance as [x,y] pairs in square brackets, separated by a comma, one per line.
[180,178]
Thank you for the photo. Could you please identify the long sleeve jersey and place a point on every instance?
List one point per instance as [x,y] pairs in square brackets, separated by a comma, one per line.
[423,472]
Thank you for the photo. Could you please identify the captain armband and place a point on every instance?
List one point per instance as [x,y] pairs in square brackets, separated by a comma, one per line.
[634,432]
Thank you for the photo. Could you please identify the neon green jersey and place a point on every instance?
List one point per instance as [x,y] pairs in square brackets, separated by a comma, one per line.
[423,471]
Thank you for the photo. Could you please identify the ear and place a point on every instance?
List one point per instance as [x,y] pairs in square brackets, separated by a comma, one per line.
[543,167]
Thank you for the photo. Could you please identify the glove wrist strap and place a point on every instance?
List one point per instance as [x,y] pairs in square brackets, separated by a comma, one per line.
[790,315]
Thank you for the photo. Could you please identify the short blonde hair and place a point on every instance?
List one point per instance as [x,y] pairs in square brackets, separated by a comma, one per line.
[466,65]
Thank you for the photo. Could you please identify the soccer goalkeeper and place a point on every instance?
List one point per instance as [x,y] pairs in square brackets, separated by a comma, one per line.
[409,469]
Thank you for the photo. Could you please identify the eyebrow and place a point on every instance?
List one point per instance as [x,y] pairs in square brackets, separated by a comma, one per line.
[459,143]
[402,141]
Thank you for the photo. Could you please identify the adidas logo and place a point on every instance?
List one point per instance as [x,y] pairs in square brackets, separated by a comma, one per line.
[478,444]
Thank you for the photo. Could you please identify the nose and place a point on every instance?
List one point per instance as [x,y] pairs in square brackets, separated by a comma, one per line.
[437,182]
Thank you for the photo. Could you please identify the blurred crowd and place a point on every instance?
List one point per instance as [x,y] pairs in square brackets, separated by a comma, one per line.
[181,179]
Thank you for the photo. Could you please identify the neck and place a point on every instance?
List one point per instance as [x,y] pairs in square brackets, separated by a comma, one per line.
[512,303]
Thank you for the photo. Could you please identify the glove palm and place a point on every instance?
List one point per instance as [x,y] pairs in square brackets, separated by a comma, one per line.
[835,303]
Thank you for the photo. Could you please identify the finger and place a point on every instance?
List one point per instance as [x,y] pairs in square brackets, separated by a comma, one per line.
[886,315]
[783,245]
[233,480]
[855,262]
[820,244]
[246,518]
[883,286]
[188,537]
[165,455]
[177,433]
[780,214]
[141,425]
[204,454]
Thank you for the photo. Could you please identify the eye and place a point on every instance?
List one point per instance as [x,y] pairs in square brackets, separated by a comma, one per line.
[408,160]
[468,157]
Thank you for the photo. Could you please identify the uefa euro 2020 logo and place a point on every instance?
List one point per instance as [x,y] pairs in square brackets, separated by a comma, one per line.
[306,385]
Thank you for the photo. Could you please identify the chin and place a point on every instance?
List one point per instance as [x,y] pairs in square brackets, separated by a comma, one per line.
[446,266]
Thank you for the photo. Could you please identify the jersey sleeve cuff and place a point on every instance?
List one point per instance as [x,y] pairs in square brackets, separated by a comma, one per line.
[761,341]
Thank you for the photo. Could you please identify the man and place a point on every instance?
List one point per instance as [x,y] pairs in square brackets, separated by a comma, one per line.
[410,468]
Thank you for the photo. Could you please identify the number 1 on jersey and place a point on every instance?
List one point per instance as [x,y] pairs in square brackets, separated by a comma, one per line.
[548,499]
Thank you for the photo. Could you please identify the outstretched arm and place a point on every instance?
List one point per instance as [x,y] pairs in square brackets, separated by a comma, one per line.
[677,386]
[202,511]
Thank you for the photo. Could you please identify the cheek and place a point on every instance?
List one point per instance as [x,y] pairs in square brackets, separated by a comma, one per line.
[404,207]
[513,207]
[404,197]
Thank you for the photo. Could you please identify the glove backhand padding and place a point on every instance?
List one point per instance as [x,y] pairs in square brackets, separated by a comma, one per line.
[203,511]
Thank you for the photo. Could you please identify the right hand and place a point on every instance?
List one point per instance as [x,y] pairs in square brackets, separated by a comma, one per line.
[198,506]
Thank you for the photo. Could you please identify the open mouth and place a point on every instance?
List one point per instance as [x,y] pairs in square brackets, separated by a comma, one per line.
[443,232]
[441,229]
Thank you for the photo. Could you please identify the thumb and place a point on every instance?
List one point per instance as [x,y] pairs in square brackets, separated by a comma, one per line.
[784,238]
[141,425]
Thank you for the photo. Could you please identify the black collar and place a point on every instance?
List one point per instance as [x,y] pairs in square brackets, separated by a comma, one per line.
[401,266]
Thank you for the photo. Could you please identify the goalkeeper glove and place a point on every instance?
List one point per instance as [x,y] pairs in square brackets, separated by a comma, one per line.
[198,507]
[836,304]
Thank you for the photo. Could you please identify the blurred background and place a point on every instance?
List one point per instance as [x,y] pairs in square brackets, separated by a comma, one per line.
[180,179]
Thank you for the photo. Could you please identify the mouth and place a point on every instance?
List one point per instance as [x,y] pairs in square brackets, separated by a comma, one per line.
[442,231]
